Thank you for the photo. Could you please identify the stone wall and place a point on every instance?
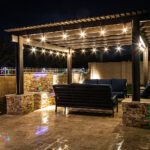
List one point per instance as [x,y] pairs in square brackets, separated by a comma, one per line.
[109,70]
[28,102]
[136,114]
[7,85]
[37,82]
[20,104]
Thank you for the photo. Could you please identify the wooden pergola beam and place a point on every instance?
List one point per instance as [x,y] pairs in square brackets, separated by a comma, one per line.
[99,45]
[41,45]
[135,61]
[90,37]
[90,30]
[95,40]
[19,67]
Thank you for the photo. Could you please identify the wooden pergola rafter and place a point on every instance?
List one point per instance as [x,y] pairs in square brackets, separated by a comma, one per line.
[137,23]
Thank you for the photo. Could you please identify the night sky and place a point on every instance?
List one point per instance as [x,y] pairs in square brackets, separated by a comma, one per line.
[31,12]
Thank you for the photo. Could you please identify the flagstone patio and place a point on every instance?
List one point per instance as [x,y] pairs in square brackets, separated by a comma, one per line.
[45,130]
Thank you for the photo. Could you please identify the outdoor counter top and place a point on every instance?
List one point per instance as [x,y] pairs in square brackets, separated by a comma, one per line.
[129,100]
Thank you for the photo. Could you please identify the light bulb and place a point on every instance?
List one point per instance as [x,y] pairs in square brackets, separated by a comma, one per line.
[118,48]
[106,49]
[33,49]
[83,51]
[28,40]
[65,36]
[102,32]
[43,39]
[43,51]
[82,34]
[51,52]
[124,30]
[57,53]
[94,50]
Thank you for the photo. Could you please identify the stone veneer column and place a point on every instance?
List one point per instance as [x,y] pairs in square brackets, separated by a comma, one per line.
[43,99]
[20,104]
[136,114]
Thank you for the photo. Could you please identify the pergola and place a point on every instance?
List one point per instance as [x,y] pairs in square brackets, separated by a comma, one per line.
[130,28]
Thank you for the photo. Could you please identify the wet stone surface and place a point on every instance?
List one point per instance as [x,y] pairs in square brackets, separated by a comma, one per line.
[44,130]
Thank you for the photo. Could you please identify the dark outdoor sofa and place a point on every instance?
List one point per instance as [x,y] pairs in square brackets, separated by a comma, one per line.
[146,93]
[119,86]
[85,96]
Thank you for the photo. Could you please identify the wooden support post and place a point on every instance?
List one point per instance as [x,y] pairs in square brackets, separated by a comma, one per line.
[145,65]
[135,61]
[19,67]
[69,67]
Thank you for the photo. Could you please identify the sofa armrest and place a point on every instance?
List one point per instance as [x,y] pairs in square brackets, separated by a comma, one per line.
[115,101]
[125,92]
[114,98]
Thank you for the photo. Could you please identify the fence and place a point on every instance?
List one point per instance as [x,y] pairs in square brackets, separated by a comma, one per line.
[12,71]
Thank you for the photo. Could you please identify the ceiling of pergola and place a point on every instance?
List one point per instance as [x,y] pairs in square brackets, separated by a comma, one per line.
[114,35]
[112,24]
[145,29]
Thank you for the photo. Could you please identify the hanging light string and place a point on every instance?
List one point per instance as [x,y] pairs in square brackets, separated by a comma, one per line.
[94,50]
[35,50]
[82,35]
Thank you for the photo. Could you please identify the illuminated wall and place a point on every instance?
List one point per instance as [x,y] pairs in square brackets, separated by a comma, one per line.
[110,70]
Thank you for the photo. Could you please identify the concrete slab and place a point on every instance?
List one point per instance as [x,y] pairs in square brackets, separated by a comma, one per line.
[45,130]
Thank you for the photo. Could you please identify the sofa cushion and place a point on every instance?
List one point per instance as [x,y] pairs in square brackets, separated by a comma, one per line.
[118,85]
[119,94]
[104,81]
[146,92]
[91,81]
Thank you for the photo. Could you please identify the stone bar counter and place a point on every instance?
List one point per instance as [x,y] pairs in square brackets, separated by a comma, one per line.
[20,104]
[136,114]
[28,102]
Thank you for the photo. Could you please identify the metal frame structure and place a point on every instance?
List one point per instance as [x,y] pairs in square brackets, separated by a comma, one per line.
[137,24]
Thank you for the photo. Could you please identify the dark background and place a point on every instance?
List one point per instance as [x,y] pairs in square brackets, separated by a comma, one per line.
[31,12]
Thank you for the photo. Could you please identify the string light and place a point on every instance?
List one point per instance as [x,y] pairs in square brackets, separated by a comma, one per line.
[65,36]
[102,32]
[141,48]
[82,34]
[43,38]
[51,52]
[33,50]
[83,51]
[106,49]
[72,51]
[118,48]
[94,50]
[43,51]
[63,54]
[28,40]
[57,53]
[125,30]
